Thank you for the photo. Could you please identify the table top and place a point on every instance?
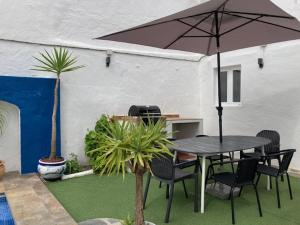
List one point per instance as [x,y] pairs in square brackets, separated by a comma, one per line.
[211,145]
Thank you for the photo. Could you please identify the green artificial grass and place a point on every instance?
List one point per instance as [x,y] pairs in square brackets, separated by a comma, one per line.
[95,196]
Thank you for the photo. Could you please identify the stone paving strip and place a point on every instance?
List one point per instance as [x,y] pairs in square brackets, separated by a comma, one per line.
[31,202]
[101,221]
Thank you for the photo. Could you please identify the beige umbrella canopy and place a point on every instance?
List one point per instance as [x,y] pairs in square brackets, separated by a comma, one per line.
[213,27]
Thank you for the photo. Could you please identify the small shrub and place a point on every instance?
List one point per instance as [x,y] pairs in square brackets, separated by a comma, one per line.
[128,221]
[72,165]
[93,140]
[102,124]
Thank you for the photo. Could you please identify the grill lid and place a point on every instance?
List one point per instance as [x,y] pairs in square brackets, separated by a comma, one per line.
[145,112]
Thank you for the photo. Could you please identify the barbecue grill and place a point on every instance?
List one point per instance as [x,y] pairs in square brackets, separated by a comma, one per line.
[146,113]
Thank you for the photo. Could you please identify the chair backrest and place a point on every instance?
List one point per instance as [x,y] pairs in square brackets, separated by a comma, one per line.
[246,170]
[274,136]
[162,167]
[286,160]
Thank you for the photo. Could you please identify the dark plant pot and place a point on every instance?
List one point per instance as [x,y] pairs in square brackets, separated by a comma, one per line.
[51,170]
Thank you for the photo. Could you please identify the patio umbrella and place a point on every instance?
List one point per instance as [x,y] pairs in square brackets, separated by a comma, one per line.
[213,27]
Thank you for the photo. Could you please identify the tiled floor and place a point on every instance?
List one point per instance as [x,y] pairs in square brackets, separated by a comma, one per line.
[31,203]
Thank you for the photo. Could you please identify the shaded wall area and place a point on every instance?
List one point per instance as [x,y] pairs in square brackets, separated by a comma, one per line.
[34,98]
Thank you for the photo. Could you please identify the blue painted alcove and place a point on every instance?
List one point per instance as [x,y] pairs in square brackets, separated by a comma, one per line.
[34,97]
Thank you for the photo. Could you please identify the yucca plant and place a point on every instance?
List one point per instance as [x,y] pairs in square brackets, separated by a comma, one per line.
[133,145]
[58,61]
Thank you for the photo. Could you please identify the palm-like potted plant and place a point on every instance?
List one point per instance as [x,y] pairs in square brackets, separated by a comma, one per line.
[58,61]
[133,145]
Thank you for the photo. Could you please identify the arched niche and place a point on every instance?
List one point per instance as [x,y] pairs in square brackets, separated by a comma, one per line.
[10,150]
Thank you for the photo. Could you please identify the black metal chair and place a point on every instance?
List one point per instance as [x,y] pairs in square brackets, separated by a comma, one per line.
[244,175]
[187,159]
[166,171]
[184,163]
[287,156]
[273,147]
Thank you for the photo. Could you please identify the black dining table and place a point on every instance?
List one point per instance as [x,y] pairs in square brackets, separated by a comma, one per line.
[207,146]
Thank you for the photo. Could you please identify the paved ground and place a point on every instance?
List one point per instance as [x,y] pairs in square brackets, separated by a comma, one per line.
[106,221]
[31,203]
[101,221]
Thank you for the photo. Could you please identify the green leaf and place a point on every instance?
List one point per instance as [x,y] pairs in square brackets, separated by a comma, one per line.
[58,61]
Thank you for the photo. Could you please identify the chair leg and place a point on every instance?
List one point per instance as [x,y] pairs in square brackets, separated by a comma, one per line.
[289,183]
[257,180]
[146,190]
[279,163]
[212,168]
[159,186]
[208,174]
[206,178]
[241,189]
[184,188]
[221,159]
[277,191]
[198,166]
[196,208]
[167,191]
[258,201]
[231,159]
[169,203]
[270,164]
[232,206]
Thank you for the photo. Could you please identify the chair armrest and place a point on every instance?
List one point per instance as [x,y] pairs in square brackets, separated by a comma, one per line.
[183,163]
[281,152]
[231,161]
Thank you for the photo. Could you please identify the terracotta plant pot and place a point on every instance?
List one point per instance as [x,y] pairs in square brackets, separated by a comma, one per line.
[2,169]
[51,170]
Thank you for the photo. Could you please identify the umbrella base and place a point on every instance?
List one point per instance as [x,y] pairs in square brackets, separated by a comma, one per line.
[221,191]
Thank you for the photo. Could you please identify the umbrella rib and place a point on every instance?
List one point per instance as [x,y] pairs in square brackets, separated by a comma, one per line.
[158,23]
[261,21]
[241,25]
[194,27]
[191,28]
[261,14]
[224,4]
[212,28]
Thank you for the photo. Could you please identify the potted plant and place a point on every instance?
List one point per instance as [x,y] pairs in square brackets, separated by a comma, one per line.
[2,165]
[133,145]
[58,61]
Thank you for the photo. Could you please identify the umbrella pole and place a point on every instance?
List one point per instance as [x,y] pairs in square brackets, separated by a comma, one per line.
[219,108]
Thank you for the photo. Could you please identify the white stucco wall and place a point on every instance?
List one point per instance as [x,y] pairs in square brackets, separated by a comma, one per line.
[270,96]
[95,89]
[86,94]
[10,139]
[144,75]
[137,75]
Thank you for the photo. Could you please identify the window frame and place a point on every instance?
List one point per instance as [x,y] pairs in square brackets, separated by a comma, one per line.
[229,70]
